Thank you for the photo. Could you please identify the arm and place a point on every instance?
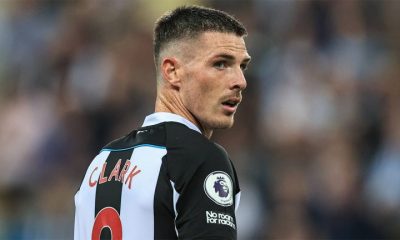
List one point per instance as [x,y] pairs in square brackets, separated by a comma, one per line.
[205,187]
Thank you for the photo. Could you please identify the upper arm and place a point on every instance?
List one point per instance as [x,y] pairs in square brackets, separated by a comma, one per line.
[205,187]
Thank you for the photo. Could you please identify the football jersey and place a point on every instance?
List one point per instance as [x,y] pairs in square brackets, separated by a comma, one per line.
[164,180]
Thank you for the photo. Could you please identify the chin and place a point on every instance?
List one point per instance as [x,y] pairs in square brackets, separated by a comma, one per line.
[225,123]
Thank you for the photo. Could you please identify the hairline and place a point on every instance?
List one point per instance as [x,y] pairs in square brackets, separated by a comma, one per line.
[193,36]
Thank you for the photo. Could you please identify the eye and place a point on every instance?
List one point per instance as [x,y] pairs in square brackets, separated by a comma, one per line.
[243,67]
[220,65]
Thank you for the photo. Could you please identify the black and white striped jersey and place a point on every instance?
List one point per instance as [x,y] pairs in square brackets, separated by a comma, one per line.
[162,181]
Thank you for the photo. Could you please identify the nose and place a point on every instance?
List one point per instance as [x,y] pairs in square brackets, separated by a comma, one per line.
[239,82]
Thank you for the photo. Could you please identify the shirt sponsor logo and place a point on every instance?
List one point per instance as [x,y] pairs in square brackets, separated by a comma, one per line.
[218,187]
[220,218]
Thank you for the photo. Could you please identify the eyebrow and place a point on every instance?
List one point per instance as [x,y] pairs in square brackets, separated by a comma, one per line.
[230,57]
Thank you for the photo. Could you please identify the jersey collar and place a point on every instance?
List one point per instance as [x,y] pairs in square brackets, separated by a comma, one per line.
[159,117]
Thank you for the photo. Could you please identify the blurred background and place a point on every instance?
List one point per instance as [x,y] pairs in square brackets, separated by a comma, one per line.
[316,141]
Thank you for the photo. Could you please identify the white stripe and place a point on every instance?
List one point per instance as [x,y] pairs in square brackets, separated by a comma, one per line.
[237,200]
[139,199]
[85,199]
[175,198]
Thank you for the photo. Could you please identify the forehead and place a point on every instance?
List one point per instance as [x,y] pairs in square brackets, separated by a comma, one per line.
[208,44]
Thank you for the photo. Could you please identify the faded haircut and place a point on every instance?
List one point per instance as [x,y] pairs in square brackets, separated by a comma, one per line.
[189,22]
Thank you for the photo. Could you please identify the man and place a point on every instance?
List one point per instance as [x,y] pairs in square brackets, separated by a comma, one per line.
[167,180]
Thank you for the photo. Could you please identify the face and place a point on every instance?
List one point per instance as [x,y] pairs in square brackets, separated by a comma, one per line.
[213,79]
[224,186]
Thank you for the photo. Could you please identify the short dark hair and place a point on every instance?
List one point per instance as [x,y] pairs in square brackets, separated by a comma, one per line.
[189,22]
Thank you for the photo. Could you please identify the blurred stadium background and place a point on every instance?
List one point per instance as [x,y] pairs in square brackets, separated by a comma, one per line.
[316,140]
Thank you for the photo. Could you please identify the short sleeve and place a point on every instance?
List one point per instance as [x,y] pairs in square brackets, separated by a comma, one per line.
[205,193]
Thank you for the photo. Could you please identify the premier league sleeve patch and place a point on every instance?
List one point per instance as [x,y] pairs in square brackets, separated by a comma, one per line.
[218,187]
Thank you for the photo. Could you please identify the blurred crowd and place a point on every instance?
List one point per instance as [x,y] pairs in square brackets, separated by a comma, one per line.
[316,140]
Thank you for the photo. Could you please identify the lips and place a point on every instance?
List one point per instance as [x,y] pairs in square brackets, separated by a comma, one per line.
[231,104]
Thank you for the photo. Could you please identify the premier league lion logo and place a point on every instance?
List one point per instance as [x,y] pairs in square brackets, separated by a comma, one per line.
[221,187]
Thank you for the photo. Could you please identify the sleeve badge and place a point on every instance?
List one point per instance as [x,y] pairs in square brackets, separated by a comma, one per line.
[218,187]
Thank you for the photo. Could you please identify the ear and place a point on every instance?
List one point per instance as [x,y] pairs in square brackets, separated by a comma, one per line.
[169,70]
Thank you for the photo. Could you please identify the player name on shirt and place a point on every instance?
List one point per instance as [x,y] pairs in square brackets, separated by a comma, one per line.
[116,173]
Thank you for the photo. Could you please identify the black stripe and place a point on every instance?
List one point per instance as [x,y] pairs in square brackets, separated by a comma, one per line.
[154,135]
[164,214]
[108,194]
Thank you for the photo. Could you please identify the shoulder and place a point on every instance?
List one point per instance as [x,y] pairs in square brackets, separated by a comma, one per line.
[190,154]
[152,135]
[189,142]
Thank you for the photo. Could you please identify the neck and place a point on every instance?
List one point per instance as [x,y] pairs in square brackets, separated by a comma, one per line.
[171,103]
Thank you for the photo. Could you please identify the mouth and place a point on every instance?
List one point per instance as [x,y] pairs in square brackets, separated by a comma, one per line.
[230,105]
